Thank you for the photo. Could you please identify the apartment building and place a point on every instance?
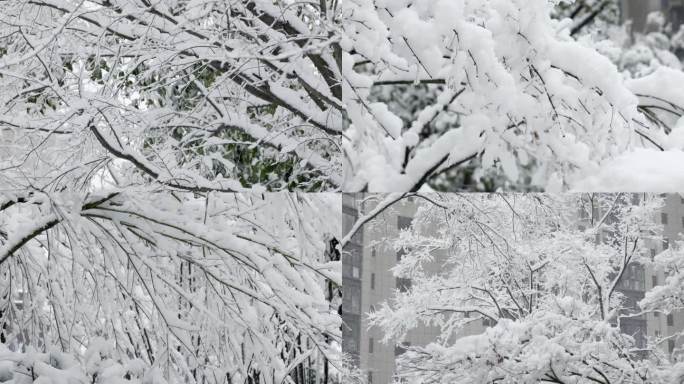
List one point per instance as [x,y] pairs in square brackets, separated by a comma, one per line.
[632,284]
[377,283]
[638,279]
[660,325]
[351,281]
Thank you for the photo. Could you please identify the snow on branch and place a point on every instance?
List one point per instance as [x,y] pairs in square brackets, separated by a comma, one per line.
[214,287]
[442,93]
[189,95]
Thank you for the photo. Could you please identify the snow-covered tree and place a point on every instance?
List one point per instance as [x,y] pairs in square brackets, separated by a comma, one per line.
[510,89]
[670,296]
[545,271]
[187,94]
[213,288]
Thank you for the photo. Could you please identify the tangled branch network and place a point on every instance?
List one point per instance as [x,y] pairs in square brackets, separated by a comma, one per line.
[435,88]
[186,95]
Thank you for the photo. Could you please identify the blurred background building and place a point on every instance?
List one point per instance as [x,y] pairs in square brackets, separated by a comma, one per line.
[351,280]
[658,324]
[637,11]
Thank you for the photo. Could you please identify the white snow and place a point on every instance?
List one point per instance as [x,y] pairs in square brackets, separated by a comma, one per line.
[641,170]
[554,109]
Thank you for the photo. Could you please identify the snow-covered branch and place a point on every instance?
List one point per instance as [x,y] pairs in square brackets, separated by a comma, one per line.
[241,287]
[444,93]
[189,95]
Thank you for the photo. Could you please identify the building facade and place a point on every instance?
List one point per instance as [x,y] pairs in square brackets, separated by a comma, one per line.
[661,326]
[379,284]
[632,283]
[351,281]
[639,278]
[376,357]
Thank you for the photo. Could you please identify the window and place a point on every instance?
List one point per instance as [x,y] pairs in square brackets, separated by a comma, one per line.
[351,262]
[346,297]
[656,314]
[657,334]
[654,280]
[351,298]
[372,280]
[670,345]
[652,253]
[400,254]
[682,221]
[399,349]
[371,308]
[403,284]
[666,243]
[633,278]
[349,200]
[663,218]
[370,345]
[373,251]
[351,344]
[370,377]
[670,319]
[350,337]
[355,305]
[403,222]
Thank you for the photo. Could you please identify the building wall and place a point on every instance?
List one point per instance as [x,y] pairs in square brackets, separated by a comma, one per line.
[662,325]
[632,284]
[379,285]
[638,279]
[638,10]
[351,281]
